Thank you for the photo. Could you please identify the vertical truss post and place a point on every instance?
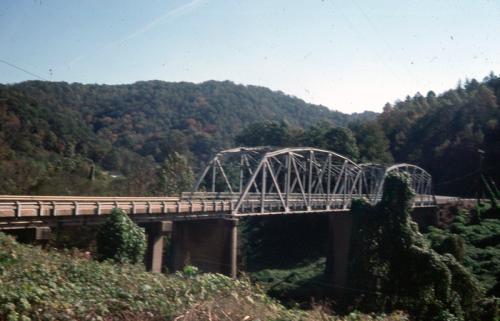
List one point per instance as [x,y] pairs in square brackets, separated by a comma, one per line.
[288,178]
[242,164]
[328,181]
[360,184]
[263,189]
[214,173]
[309,183]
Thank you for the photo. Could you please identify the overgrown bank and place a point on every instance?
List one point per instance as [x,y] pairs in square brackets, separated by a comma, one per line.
[49,285]
[392,266]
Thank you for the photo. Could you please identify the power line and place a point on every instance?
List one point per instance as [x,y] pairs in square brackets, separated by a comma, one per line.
[23,70]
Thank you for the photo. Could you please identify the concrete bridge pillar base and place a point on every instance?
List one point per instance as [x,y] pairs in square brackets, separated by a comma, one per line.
[339,243]
[211,245]
[35,235]
[155,234]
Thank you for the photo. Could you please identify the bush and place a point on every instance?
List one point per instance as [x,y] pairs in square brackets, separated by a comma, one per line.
[121,240]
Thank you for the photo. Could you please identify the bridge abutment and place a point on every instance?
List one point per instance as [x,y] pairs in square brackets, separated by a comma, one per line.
[210,245]
[339,244]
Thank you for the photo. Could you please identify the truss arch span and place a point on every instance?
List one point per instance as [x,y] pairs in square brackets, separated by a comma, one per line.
[281,180]
[374,176]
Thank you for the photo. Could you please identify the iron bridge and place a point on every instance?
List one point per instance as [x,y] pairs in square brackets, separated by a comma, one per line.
[266,180]
[236,182]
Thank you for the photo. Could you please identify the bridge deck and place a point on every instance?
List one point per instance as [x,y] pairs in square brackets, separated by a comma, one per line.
[25,211]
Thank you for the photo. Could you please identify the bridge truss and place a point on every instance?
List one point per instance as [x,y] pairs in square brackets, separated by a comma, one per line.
[265,180]
[236,182]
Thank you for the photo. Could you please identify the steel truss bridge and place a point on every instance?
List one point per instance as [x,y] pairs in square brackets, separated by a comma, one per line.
[236,182]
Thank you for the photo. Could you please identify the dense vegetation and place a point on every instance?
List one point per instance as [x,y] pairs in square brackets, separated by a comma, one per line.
[120,239]
[152,137]
[41,285]
[459,283]
[444,133]
[407,274]
[64,138]
[473,239]
[59,138]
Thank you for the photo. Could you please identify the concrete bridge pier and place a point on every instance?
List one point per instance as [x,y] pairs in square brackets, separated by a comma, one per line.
[339,244]
[36,235]
[155,236]
[211,245]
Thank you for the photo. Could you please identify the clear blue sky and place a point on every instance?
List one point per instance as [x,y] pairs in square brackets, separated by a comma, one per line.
[347,55]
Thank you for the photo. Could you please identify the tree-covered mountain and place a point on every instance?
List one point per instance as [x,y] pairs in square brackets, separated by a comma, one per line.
[455,136]
[60,138]
[54,135]
[449,134]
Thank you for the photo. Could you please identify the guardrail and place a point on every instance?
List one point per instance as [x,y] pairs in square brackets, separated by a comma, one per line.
[17,210]
[43,207]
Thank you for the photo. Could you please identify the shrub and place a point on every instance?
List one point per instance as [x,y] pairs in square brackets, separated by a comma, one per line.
[120,239]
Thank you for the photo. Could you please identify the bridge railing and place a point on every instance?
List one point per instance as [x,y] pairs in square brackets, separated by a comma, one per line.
[28,208]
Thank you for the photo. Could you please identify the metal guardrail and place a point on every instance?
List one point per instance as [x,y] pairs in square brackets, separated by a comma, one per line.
[16,210]
[189,204]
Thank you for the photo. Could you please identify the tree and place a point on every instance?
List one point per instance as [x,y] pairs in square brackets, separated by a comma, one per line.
[341,140]
[120,239]
[337,139]
[175,176]
[372,143]
[269,133]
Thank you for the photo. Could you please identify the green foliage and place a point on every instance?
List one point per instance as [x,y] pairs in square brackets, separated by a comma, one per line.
[479,241]
[491,192]
[372,143]
[52,134]
[337,139]
[40,285]
[120,239]
[450,243]
[443,134]
[391,260]
[295,284]
[190,270]
[176,175]
[282,241]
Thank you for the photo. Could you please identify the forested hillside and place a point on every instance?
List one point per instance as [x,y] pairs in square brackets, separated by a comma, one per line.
[59,138]
[445,134]
[53,135]
[455,136]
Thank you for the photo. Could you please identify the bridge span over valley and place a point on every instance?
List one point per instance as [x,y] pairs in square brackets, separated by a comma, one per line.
[243,181]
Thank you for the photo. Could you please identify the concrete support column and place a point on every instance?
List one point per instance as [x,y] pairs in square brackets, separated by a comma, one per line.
[35,235]
[339,240]
[155,234]
[211,245]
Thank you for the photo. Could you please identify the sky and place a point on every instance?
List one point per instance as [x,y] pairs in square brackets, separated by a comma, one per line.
[347,55]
